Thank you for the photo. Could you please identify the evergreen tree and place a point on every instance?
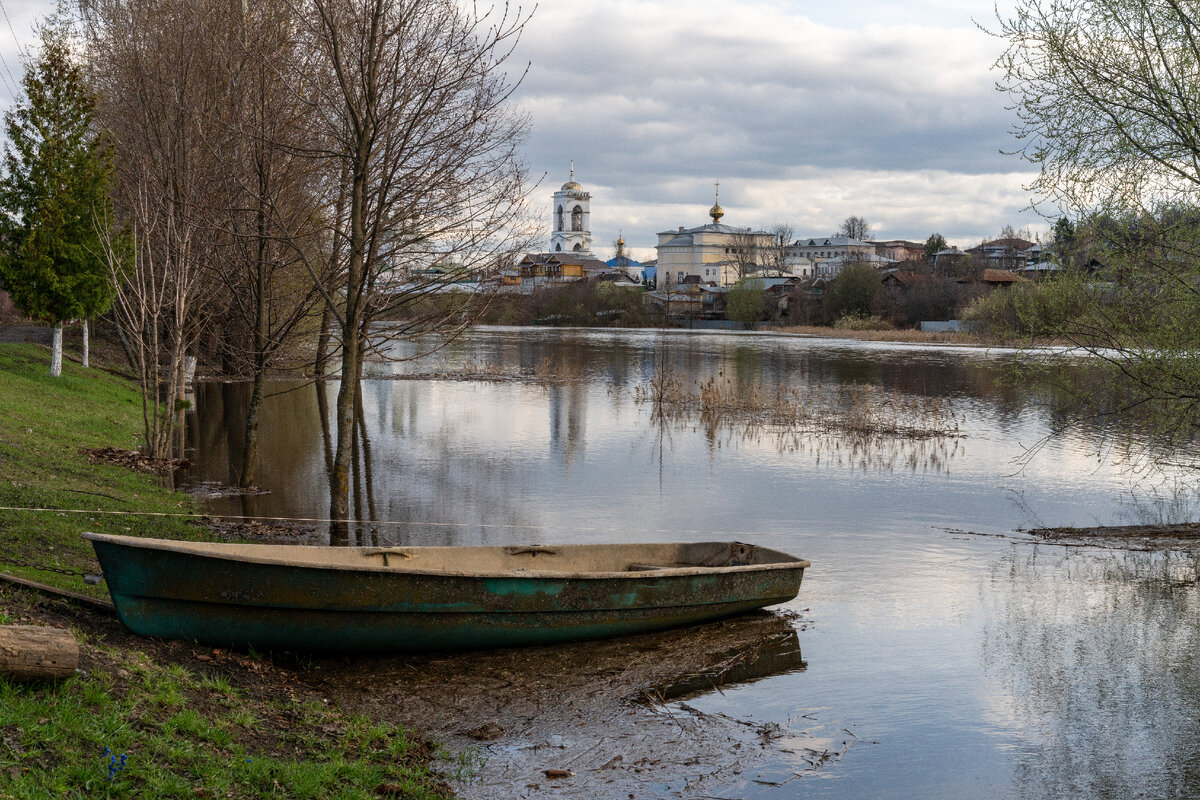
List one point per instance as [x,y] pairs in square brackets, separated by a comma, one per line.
[53,192]
[935,244]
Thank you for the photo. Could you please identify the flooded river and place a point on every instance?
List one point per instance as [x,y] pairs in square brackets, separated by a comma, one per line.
[935,649]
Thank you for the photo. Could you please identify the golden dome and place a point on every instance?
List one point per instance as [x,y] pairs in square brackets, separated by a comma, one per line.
[716,212]
[571,185]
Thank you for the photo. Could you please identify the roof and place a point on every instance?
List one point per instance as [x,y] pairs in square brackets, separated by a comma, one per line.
[1010,242]
[682,240]
[831,241]
[994,276]
[715,227]
[565,258]
[906,277]
[769,283]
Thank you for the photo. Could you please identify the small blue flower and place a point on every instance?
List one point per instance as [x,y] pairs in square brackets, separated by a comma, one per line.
[114,766]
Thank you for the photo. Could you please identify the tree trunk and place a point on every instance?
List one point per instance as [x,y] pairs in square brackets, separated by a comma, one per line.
[84,359]
[56,352]
[339,479]
[321,363]
[31,653]
[250,444]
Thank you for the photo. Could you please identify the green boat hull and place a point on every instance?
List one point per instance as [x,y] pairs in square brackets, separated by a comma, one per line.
[162,589]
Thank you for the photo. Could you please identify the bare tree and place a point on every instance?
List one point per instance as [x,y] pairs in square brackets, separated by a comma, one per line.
[782,237]
[746,252]
[855,228]
[159,85]
[409,99]
[273,210]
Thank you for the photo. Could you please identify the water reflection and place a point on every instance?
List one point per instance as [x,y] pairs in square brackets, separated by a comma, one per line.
[1095,658]
[450,461]
[775,653]
[973,665]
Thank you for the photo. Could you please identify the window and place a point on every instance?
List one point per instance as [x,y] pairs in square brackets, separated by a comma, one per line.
[558,219]
[578,247]
[577,219]
[558,248]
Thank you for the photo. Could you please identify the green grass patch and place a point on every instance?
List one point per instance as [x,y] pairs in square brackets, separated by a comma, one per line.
[105,735]
[48,424]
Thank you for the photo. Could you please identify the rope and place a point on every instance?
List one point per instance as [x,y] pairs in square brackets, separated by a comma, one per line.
[323,520]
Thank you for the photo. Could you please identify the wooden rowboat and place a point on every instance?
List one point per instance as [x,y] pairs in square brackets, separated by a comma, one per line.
[431,598]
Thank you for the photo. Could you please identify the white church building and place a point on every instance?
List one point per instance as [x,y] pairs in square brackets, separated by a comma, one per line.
[571,230]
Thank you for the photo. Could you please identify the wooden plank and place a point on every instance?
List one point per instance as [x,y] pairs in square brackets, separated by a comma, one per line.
[96,603]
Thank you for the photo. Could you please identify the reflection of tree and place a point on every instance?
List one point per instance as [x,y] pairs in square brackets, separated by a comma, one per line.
[1096,656]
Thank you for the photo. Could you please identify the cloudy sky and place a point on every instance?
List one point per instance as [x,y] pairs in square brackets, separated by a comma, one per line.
[806,111]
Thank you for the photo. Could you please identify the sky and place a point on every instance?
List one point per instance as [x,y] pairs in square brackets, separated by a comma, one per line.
[805,111]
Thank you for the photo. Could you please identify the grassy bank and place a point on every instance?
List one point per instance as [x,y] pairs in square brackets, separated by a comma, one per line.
[148,718]
[49,425]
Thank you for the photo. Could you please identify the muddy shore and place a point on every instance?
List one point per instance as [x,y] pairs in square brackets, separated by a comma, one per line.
[606,719]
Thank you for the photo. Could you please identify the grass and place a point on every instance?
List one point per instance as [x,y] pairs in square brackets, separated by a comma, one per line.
[48,424]
[219,729]
[141,729]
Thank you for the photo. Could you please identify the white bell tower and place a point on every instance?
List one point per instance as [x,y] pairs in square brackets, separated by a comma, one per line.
[570,225]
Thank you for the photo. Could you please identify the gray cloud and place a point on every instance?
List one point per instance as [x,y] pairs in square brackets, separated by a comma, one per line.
[806,111]
[657,99]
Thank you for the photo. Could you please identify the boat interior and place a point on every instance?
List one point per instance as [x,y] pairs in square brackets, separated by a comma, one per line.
[568,558]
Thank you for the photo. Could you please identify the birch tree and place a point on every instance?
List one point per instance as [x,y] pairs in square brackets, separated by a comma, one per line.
[161,86]
[53,191]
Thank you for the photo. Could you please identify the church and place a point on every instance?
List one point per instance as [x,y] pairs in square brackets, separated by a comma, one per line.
[713,253]
[571,229]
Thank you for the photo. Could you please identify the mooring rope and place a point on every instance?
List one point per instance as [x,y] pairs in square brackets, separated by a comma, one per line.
[396,523]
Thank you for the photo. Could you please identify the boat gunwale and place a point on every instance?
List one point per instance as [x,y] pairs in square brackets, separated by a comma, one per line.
[180,547]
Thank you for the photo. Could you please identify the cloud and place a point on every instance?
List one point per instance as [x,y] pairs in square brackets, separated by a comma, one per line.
[806,112]
[16,35]
[803,120]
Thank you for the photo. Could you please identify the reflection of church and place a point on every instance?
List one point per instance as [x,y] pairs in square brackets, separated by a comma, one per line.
[571,232]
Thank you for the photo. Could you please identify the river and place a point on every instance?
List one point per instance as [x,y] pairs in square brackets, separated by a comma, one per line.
[945,652]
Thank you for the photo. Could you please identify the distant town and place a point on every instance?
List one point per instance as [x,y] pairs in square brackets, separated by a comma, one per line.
[698,270]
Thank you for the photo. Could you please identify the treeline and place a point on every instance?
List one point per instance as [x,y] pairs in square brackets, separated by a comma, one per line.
[277,176]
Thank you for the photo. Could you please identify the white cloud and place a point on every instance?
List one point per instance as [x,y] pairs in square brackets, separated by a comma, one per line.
[804,117]
[806,112]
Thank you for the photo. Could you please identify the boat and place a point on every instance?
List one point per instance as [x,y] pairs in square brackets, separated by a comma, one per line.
[397,599]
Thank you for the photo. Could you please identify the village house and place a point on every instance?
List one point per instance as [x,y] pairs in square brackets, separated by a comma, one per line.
[994,278]
[1006,254]
[900,250]
[544,269]
[830,254]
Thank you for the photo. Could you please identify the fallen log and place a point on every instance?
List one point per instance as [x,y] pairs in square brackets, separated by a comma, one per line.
[35,653]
